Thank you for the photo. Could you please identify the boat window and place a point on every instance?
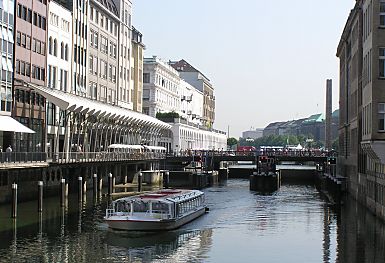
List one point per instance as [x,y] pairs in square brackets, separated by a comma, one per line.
[141,206]
[122,207]
[159,207]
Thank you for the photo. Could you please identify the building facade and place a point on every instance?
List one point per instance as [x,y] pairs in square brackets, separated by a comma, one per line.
[252,134]
[191,103]
[103,42]
[137,70]
[125,61]
[30,63]
[203,84]
[362,101]
[7,47]
[59,72]
[161,87]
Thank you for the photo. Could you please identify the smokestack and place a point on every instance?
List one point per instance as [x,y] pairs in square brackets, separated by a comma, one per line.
[328,115]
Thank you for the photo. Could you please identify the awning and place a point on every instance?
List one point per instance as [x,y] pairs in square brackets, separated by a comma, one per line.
[9,124]
[70,102]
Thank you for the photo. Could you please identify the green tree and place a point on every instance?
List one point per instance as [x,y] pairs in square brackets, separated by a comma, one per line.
[232,141]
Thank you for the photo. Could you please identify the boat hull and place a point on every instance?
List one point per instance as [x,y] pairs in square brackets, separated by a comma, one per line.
[153,225]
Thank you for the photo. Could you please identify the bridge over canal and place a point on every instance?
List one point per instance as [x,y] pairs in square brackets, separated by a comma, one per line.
[212,160]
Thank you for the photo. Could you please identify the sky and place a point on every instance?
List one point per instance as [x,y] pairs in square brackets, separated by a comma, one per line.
[268,60]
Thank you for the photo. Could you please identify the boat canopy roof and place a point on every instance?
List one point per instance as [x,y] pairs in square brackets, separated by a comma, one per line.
[163,196]
[155,148]
[125,146]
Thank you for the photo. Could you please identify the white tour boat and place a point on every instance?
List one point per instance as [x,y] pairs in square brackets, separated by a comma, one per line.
[161,210]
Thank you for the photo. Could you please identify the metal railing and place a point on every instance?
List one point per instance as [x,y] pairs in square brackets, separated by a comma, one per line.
[289,153]
[22,157]
[80,157]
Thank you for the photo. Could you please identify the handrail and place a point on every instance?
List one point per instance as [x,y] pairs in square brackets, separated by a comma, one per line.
[22,157]
[79,157]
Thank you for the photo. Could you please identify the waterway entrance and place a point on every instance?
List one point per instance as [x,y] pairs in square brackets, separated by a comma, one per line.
[294,224]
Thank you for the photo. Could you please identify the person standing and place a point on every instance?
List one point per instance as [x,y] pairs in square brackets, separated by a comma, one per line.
[8,153]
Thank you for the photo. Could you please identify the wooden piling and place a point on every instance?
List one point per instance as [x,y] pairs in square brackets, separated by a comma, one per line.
[14,200]
[80,189]
[95,184]
[63,192]
[110,184]
[40,196]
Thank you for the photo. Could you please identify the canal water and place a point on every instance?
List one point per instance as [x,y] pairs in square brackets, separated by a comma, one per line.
[294,224]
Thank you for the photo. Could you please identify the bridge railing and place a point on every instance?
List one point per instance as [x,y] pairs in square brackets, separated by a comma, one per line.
[84,157]
[13,158]
[290,153]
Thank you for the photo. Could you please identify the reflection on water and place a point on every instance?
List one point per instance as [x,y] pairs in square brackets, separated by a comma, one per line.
[294,224]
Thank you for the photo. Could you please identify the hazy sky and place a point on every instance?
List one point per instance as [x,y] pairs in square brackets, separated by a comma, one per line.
[268,60]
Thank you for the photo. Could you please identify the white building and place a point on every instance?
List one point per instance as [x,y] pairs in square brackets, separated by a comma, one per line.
[191,103]
[59,55]
[252,134]
[161,87]
[185,136]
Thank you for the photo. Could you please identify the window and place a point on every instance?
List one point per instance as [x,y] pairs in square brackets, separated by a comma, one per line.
[66,52]
[91,63]
[382,62]
[18,38]
[95,66]
[92,13]
[146,77]
[103,69]
[23,41]
[49,45]
[29,16]
[55,48]
[104,45]
[51,113]
[112,50]
[28,42]
[62,50]
[381,116]
[382,14]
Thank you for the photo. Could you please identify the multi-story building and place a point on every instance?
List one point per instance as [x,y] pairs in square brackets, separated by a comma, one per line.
[30,67]
[187,137]
[80,29]
[191,103]
[137,70]
[59,56]
[202,83]
[104,23]
[125,85]
[7,8]
[161,84]
[312,127]
[362,102]
[349,52]
[252,134]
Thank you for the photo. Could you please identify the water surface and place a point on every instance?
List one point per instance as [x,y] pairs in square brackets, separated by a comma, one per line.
[294,224]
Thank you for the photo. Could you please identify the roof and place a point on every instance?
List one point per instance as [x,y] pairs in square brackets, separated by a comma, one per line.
[336,114]
[73,103]
[183,66]
[274,125]
[166,195]
[315,118]
[110,5]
